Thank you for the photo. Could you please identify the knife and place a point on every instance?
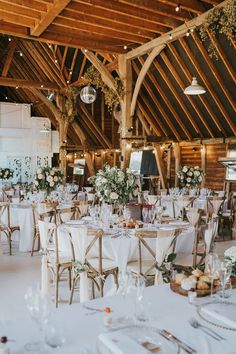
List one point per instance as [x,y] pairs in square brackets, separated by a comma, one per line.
[174,339]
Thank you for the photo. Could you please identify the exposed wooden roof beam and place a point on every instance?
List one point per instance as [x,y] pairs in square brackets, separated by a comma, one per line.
[176,34]
[189,5]
[149,119]
[143,121]
[10,54]
[179,81]
[214,71]
[158,105]
[96,129]
[177,97]
[141,75]
[54,10]
[5,81]
[201,97]
[208,85]
[223,57]
[167,102]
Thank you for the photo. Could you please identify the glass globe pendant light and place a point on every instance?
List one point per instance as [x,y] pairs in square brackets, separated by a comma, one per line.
[194,88]
[88,94]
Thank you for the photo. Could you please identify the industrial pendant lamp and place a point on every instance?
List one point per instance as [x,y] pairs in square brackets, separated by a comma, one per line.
[194,88]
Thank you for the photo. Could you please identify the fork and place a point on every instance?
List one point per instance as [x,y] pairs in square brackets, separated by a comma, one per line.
[195,324]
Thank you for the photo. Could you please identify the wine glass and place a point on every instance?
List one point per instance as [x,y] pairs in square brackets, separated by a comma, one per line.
[145,214]
[224,272]
[212,266]
[152,214]
[54,334]
[135,287]
[38,306]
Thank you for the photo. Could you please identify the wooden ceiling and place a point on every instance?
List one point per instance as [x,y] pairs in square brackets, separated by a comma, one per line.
[40,52]
[106,25]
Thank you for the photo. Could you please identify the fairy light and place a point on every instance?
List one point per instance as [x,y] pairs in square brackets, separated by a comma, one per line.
[177,7]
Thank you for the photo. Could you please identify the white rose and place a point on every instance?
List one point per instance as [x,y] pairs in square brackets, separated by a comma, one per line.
[51,184]
[49,179]
[39,170]
[40,176]
[196,173]
[114,196]
[189,173]
[185,169]
[196,167]
[36,183]
[199,179]
[55,179]
[52,172]
[189,179]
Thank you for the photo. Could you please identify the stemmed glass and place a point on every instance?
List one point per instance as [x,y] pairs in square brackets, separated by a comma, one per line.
[152,214]
[224,272]
[39,308]
[212,266]
[97,209]
[145,214]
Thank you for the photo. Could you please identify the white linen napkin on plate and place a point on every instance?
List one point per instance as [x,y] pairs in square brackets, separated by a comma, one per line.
[225,313]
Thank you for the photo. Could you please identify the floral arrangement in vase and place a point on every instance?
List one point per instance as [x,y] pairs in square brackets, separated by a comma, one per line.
[114,185]
[190,176]
[230,254]
[6,173]
[47,179]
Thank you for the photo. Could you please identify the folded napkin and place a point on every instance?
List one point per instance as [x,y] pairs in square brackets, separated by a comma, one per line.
[225,313]
[119,343]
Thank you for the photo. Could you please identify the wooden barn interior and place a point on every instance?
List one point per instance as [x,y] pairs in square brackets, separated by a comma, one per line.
[48,45]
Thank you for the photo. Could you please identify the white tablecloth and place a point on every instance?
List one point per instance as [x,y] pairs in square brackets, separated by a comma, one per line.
[168,311]
[123,249]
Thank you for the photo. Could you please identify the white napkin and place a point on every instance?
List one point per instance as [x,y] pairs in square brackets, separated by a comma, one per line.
[224,313]
[118,343]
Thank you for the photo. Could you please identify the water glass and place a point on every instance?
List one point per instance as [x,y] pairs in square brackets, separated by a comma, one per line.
[211,266]
[145,214]
[54,334]
[224,272]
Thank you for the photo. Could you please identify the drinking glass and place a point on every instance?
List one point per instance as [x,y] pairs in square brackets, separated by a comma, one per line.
[97,209]
[145,214]
[224,272]
[152,214]
[134,291]
[54,334]
[126,214]
[39,308]
[212,266]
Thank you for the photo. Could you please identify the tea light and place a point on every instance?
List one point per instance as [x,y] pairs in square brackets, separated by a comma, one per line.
[192,296]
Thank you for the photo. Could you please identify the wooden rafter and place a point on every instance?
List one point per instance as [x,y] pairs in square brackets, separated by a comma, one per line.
[11,51]
[5,81]
[176,34]
[181,84]
[215,73]
[167,102]
[141,76]
[201,97]
[149,119]
[95,128]
[177,97]
[53,10]
[223,57]
[158,105]
[208,85]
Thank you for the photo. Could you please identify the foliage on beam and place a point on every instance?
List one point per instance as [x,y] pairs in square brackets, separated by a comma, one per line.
[220,20]
[112,98]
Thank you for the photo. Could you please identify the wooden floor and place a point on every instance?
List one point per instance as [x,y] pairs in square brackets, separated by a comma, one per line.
[19,271]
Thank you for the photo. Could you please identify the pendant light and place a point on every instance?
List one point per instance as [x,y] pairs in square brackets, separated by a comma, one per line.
[194,88]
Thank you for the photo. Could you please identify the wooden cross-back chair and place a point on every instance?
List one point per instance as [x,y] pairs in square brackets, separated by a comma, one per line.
[72,211]
[209,234]
[228,217]
[147,267]
[188,202]
[214,205]
[57,263]
[6,227]
[98,267]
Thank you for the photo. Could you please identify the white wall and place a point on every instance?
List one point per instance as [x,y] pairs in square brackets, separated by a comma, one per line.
[22,146]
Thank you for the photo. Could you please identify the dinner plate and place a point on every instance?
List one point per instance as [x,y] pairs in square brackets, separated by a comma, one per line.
[179,223]
[76,222]
[147,337]
[219,313]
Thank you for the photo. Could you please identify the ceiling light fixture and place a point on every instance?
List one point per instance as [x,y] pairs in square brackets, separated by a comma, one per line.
[177,7]
[194,88]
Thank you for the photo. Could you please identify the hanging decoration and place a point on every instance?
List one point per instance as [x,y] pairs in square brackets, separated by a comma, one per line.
[88,94]
[194,88]
[219,21]
[93,77]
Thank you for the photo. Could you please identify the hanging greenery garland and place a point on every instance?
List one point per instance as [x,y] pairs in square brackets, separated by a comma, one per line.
[93,77]
[219,20]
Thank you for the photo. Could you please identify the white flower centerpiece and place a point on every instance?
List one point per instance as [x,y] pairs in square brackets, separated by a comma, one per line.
[47,179]
[230,254]
[114,185]
[6,173]
[190,176]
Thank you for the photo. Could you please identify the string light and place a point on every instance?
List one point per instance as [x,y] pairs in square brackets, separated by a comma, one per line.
[85,50]
[21,54]
[9,38]
[17,87]
[177,7]
[170,36]
[125,47]
[56,61]
[41,86]
[68,81]
[188,33]
[192,30]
